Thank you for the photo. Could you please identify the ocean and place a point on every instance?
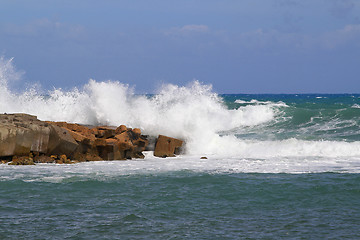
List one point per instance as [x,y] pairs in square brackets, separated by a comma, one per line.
[278,167]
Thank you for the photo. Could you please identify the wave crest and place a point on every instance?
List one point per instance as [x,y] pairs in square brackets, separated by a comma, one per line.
[194,113]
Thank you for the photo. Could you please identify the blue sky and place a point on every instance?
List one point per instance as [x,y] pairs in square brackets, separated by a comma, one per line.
[242,46]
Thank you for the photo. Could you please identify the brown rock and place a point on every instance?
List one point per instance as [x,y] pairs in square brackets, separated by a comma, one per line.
[86,157]
[123,137]
[61,141]
[111,151]
[63,158]
[137,131]
[77,136]
[121,129]
[167,146]
[92,157]
[74,129]
[103,132]
[59,161]
[22,133]
[23,160]
[140,144]
[100,142]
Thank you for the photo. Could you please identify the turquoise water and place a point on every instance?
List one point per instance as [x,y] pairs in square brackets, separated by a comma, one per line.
[288,170]
[304,116]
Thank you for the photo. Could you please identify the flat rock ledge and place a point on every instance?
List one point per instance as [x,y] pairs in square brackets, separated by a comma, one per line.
[25,140]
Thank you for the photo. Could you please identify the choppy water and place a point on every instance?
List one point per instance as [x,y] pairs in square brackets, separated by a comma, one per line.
[279,166]
[103,201]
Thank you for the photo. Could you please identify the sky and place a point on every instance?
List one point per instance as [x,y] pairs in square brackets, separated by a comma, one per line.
[238,46]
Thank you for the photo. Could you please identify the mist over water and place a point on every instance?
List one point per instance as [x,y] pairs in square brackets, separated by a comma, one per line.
[219,126]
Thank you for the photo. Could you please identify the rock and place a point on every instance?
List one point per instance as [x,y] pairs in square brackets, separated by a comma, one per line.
[105,143]
[77,131]
[120,129]
[167,146]
[103,132]
[61,141]
[23,160]
[123,137]
[22,133]
[63,158]
[86,157]
[112,150]
[203,158]
[79,137]
[137,131]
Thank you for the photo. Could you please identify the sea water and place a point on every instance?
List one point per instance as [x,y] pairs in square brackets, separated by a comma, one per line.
[277,167]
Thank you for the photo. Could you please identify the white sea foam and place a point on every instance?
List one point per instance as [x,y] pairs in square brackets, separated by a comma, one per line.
[194,112]
[107,170]
[257,102]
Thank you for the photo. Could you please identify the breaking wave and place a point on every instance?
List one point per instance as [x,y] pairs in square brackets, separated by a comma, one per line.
[194,113]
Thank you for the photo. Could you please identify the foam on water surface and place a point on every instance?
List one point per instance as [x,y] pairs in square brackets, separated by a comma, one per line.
[108,170]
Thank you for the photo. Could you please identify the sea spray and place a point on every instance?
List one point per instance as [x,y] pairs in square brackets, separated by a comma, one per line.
[194,113]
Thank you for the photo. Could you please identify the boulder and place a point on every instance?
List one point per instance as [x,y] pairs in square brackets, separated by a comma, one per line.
[137,131]
[61,141]
[120,129]
[111,150]
[79,132]
[107,143]
[132,143]
[23,160]
[78,137]
[21,134]
[103,132]
[63,160]
[167,146]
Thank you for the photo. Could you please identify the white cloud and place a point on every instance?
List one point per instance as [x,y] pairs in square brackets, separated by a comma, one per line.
[348,34]
[188,30]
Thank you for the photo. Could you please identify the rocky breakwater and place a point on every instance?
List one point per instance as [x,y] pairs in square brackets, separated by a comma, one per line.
[26,140]
[167,146]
